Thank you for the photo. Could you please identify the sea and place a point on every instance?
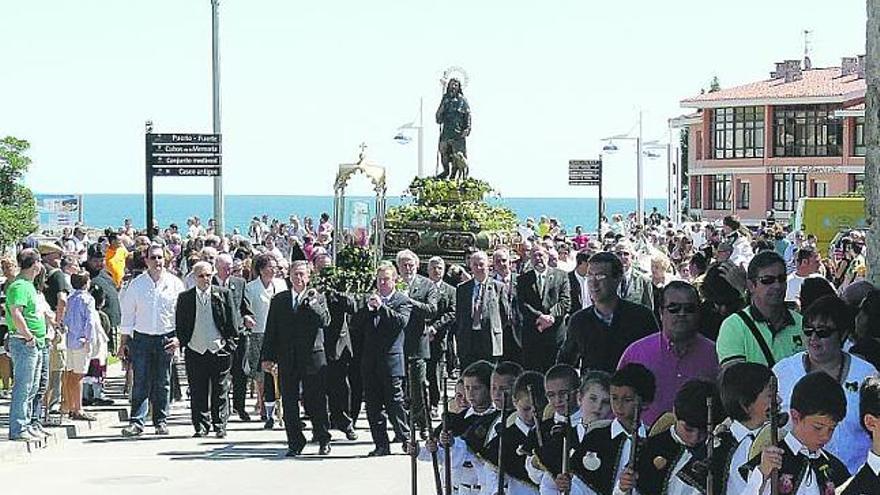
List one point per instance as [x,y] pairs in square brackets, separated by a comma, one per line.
[106,210]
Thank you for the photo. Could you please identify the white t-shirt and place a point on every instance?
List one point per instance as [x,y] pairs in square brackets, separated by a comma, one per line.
[850,442]
[795,282]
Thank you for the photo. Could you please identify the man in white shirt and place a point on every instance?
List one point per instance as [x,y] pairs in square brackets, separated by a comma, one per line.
[148,341]
[807,267]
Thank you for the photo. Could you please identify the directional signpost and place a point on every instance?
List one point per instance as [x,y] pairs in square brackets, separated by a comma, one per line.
[588,173]
[180,155]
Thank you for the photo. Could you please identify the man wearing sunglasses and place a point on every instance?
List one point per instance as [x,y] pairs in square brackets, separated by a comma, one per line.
[766,331]
[149,341]
[677,353]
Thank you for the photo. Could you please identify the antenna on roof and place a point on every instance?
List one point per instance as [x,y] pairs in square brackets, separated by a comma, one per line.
[808,64]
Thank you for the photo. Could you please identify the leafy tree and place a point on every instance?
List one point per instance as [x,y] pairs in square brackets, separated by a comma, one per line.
[18,209]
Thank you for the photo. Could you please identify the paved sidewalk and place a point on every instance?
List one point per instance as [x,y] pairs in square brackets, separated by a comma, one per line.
[106,416]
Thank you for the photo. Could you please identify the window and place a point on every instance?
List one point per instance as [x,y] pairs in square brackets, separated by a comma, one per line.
[820,189]
[697,193]
[738,132]
[859,137]
[857,182]
[787,189]
[719,192]
[743,195]
[807,130]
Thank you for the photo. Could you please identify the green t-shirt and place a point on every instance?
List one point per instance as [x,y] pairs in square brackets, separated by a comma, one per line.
[22,293]
[736,342]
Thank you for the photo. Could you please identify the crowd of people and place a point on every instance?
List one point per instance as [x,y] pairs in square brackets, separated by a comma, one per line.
[567,351]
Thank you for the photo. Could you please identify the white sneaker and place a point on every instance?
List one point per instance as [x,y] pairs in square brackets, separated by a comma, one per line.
[26,436]
[35,431]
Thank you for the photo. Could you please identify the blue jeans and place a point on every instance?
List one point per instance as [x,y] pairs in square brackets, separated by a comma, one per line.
[38,407]
[151,376]
[25,368]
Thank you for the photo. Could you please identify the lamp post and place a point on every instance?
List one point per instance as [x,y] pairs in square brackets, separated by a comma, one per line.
[402,138]
[215,85]
[641,147]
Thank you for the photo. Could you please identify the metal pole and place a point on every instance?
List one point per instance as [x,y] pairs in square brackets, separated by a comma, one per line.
[215,77]
[420,136]
[149,176]
[670,178]
[640,200]
[679,192]
[600,208]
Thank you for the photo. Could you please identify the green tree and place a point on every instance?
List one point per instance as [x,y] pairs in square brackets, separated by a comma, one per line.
[18,209]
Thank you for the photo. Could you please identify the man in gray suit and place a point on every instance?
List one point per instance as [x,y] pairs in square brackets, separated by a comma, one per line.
[482,309]
[423,297]
[544,297]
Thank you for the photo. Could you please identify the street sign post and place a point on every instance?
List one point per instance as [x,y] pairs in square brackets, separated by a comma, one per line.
[588,173]
[180,155]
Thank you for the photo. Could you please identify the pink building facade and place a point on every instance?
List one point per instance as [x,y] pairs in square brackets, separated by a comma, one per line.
[763,145]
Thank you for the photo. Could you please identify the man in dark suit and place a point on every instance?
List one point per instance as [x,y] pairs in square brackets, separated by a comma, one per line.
[424,297]
[294,341]
[244,321]
[382,321]
[481,312]
[205,327]
[544,296]
[503,273]
[338,347]
[438,328]
[577,281]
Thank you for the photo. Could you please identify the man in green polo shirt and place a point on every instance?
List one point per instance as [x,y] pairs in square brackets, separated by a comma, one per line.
[27,335]
[766,331]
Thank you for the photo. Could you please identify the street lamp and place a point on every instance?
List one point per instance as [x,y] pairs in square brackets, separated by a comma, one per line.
[641,148]
[402,138]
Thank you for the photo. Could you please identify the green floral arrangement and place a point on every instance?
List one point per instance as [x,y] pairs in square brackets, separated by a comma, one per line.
[466,216]
[450,204]
[429,190]
[354,272]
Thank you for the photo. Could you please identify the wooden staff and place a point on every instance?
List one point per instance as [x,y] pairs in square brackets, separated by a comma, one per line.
[539,414]
[435,463]
[447,455]
[279,406]
[565,431]
[634,450]
[501,424]
[710,447]
[413,461]
[774,430]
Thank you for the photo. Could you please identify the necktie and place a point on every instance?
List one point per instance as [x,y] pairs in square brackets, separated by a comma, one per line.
[477,310]
[818,472]
[541,284]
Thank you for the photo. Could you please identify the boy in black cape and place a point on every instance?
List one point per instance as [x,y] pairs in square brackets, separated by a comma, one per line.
[817,405]
[665,454]
[604,451]
[561,387]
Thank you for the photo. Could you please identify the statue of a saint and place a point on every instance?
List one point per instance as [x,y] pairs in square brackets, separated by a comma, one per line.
[454,117]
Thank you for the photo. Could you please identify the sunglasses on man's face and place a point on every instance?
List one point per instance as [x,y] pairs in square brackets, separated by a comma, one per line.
[820,332]
[157,257]
[772,279]
[677,308]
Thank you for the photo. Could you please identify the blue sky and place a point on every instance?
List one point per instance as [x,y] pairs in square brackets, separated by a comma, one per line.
[303,83]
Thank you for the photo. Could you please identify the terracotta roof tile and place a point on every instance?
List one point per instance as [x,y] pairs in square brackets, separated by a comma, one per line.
[816,83]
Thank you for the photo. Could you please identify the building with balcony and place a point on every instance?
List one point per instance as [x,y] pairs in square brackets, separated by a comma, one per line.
[760,146]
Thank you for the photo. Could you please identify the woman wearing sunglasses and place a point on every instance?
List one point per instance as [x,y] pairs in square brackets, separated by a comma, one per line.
[826,324]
